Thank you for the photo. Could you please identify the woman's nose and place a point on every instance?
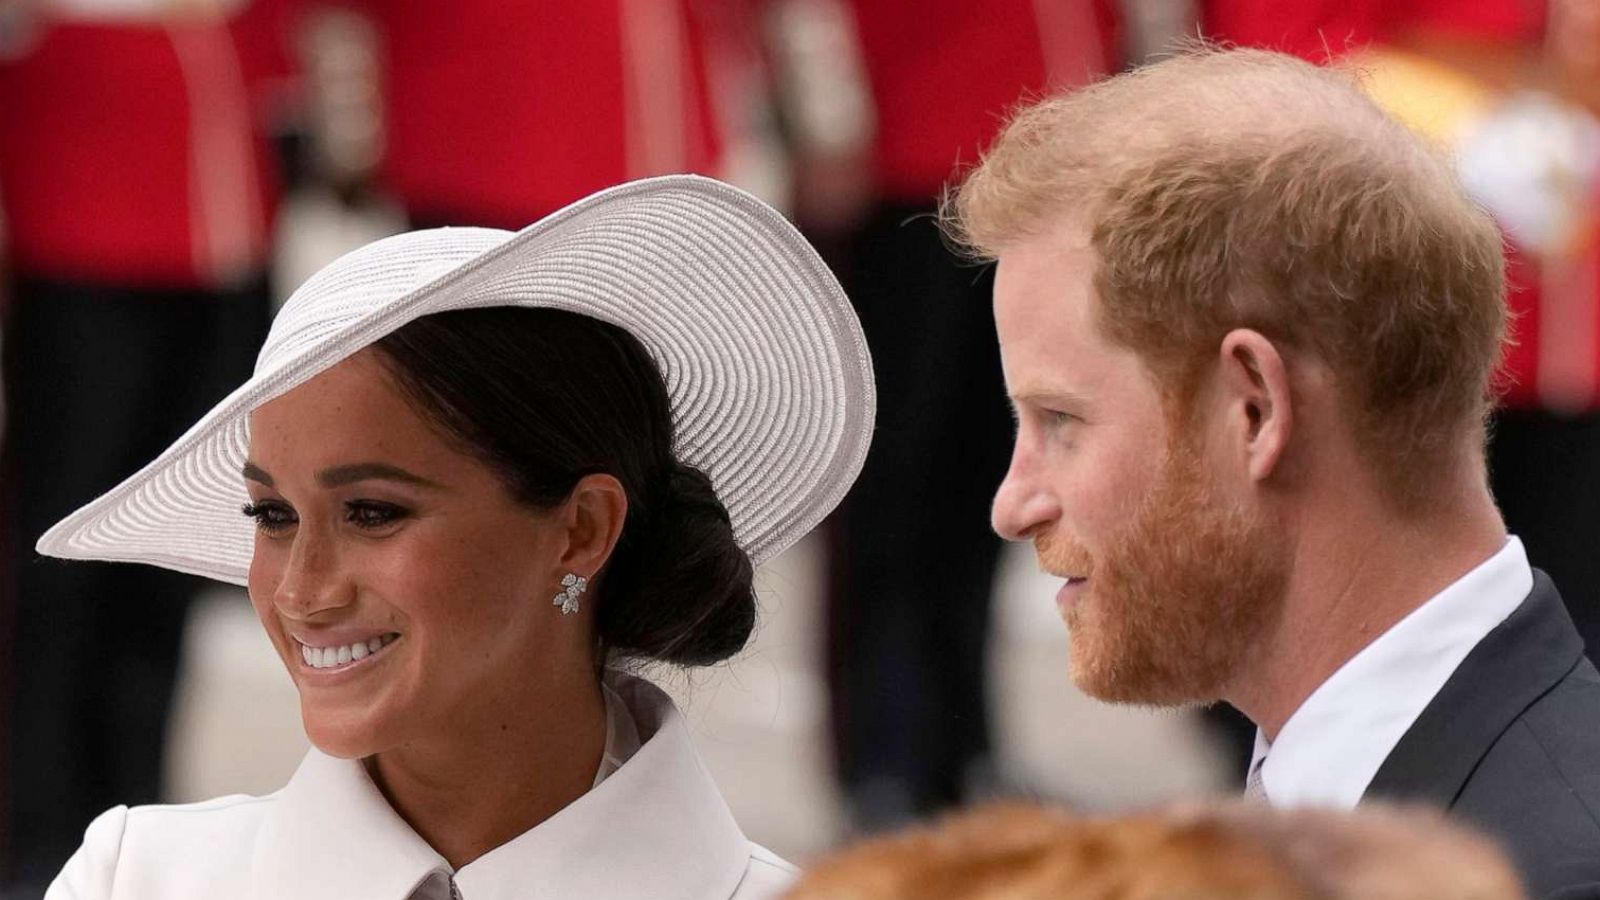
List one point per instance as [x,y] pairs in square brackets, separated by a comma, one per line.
[1023,502]
[311,583]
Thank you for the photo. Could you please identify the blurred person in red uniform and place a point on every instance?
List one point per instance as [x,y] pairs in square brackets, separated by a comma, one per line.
[1326,30]
[137,204]
[912,557]
[497,113]
[1535,161]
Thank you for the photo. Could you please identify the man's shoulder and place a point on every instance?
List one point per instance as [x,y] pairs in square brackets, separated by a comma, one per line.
[1555,740]
[1511,743]
[1538,786]
[1565,722]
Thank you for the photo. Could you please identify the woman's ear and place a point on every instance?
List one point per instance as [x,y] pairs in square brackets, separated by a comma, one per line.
[593,515]
[1255,385]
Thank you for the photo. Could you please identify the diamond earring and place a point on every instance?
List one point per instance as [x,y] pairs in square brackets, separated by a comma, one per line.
[573,587]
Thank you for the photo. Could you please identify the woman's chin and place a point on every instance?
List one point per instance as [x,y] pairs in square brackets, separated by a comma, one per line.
[339,737]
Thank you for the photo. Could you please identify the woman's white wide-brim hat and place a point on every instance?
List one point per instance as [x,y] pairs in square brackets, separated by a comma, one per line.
[765,364]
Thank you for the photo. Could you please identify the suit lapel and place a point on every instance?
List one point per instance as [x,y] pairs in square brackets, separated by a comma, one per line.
[1514,665]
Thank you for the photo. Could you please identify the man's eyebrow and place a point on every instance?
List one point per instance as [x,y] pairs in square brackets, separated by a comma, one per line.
[339,476]
[1048,396]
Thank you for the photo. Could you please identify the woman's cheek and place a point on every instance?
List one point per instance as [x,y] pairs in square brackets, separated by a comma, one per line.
[402,573]
[262,581]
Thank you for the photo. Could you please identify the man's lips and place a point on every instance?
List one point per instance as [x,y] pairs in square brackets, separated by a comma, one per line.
[1067,596]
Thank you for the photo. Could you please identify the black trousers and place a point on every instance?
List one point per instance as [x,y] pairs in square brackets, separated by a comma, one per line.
[98,380]
[913,556]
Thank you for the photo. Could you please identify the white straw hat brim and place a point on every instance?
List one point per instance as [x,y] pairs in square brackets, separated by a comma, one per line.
[765,364]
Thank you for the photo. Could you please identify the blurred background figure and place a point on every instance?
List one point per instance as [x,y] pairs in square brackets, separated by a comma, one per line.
[1530,151]
[137,192]
[885,99]
[1228,852]
[496,113]
[1508,88]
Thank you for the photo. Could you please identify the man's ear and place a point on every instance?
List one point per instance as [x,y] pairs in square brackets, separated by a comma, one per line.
[593,514]
[1255,390]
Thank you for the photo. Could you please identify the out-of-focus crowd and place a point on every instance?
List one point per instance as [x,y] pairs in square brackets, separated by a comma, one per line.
[150,149]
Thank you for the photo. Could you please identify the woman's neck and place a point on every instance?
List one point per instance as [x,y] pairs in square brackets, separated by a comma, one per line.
[497,769]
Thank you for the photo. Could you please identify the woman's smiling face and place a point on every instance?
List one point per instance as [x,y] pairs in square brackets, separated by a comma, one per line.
[404,588]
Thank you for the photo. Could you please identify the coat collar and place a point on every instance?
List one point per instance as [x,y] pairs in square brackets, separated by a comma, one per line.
[658,827]
[1513,666]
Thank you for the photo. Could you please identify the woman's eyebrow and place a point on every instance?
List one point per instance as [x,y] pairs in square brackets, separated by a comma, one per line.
[339,476]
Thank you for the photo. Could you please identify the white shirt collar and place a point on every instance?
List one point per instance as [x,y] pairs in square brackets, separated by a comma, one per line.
[656,826]
[1330,749]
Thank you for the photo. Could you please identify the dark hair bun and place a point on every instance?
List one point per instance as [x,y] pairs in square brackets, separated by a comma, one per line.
[685,595]
[545,397]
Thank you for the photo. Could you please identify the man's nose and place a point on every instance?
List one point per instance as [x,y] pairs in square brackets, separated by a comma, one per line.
[311,582]
[1023,502]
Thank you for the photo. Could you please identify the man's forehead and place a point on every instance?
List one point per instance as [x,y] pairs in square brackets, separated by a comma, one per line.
[1052,350]
[1049,367]
[1044,292]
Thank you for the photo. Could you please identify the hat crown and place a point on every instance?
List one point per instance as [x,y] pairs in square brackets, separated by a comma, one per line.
[365,281]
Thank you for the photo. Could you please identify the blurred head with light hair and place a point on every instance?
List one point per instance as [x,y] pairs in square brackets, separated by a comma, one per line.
[1233,852]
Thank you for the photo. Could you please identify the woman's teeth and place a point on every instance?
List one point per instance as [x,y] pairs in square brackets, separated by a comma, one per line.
[328,657]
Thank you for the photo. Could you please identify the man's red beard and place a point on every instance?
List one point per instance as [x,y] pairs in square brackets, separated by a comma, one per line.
[1179,599]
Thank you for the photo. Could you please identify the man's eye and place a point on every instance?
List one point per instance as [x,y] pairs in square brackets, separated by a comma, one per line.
[372,514]
[271,517]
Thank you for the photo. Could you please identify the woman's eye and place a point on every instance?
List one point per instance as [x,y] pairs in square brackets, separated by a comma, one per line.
[271,517]
[372,514]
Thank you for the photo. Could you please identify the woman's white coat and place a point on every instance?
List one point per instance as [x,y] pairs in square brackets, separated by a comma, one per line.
[657,828]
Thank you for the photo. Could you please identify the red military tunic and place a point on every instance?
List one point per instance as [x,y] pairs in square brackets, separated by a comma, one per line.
[1322,29]
[944,73]
[130,151]
[501,111]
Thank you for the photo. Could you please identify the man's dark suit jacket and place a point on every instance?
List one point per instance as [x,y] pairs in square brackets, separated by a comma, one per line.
[1511,744]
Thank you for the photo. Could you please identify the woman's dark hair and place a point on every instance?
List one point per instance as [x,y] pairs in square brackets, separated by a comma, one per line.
[545,397]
